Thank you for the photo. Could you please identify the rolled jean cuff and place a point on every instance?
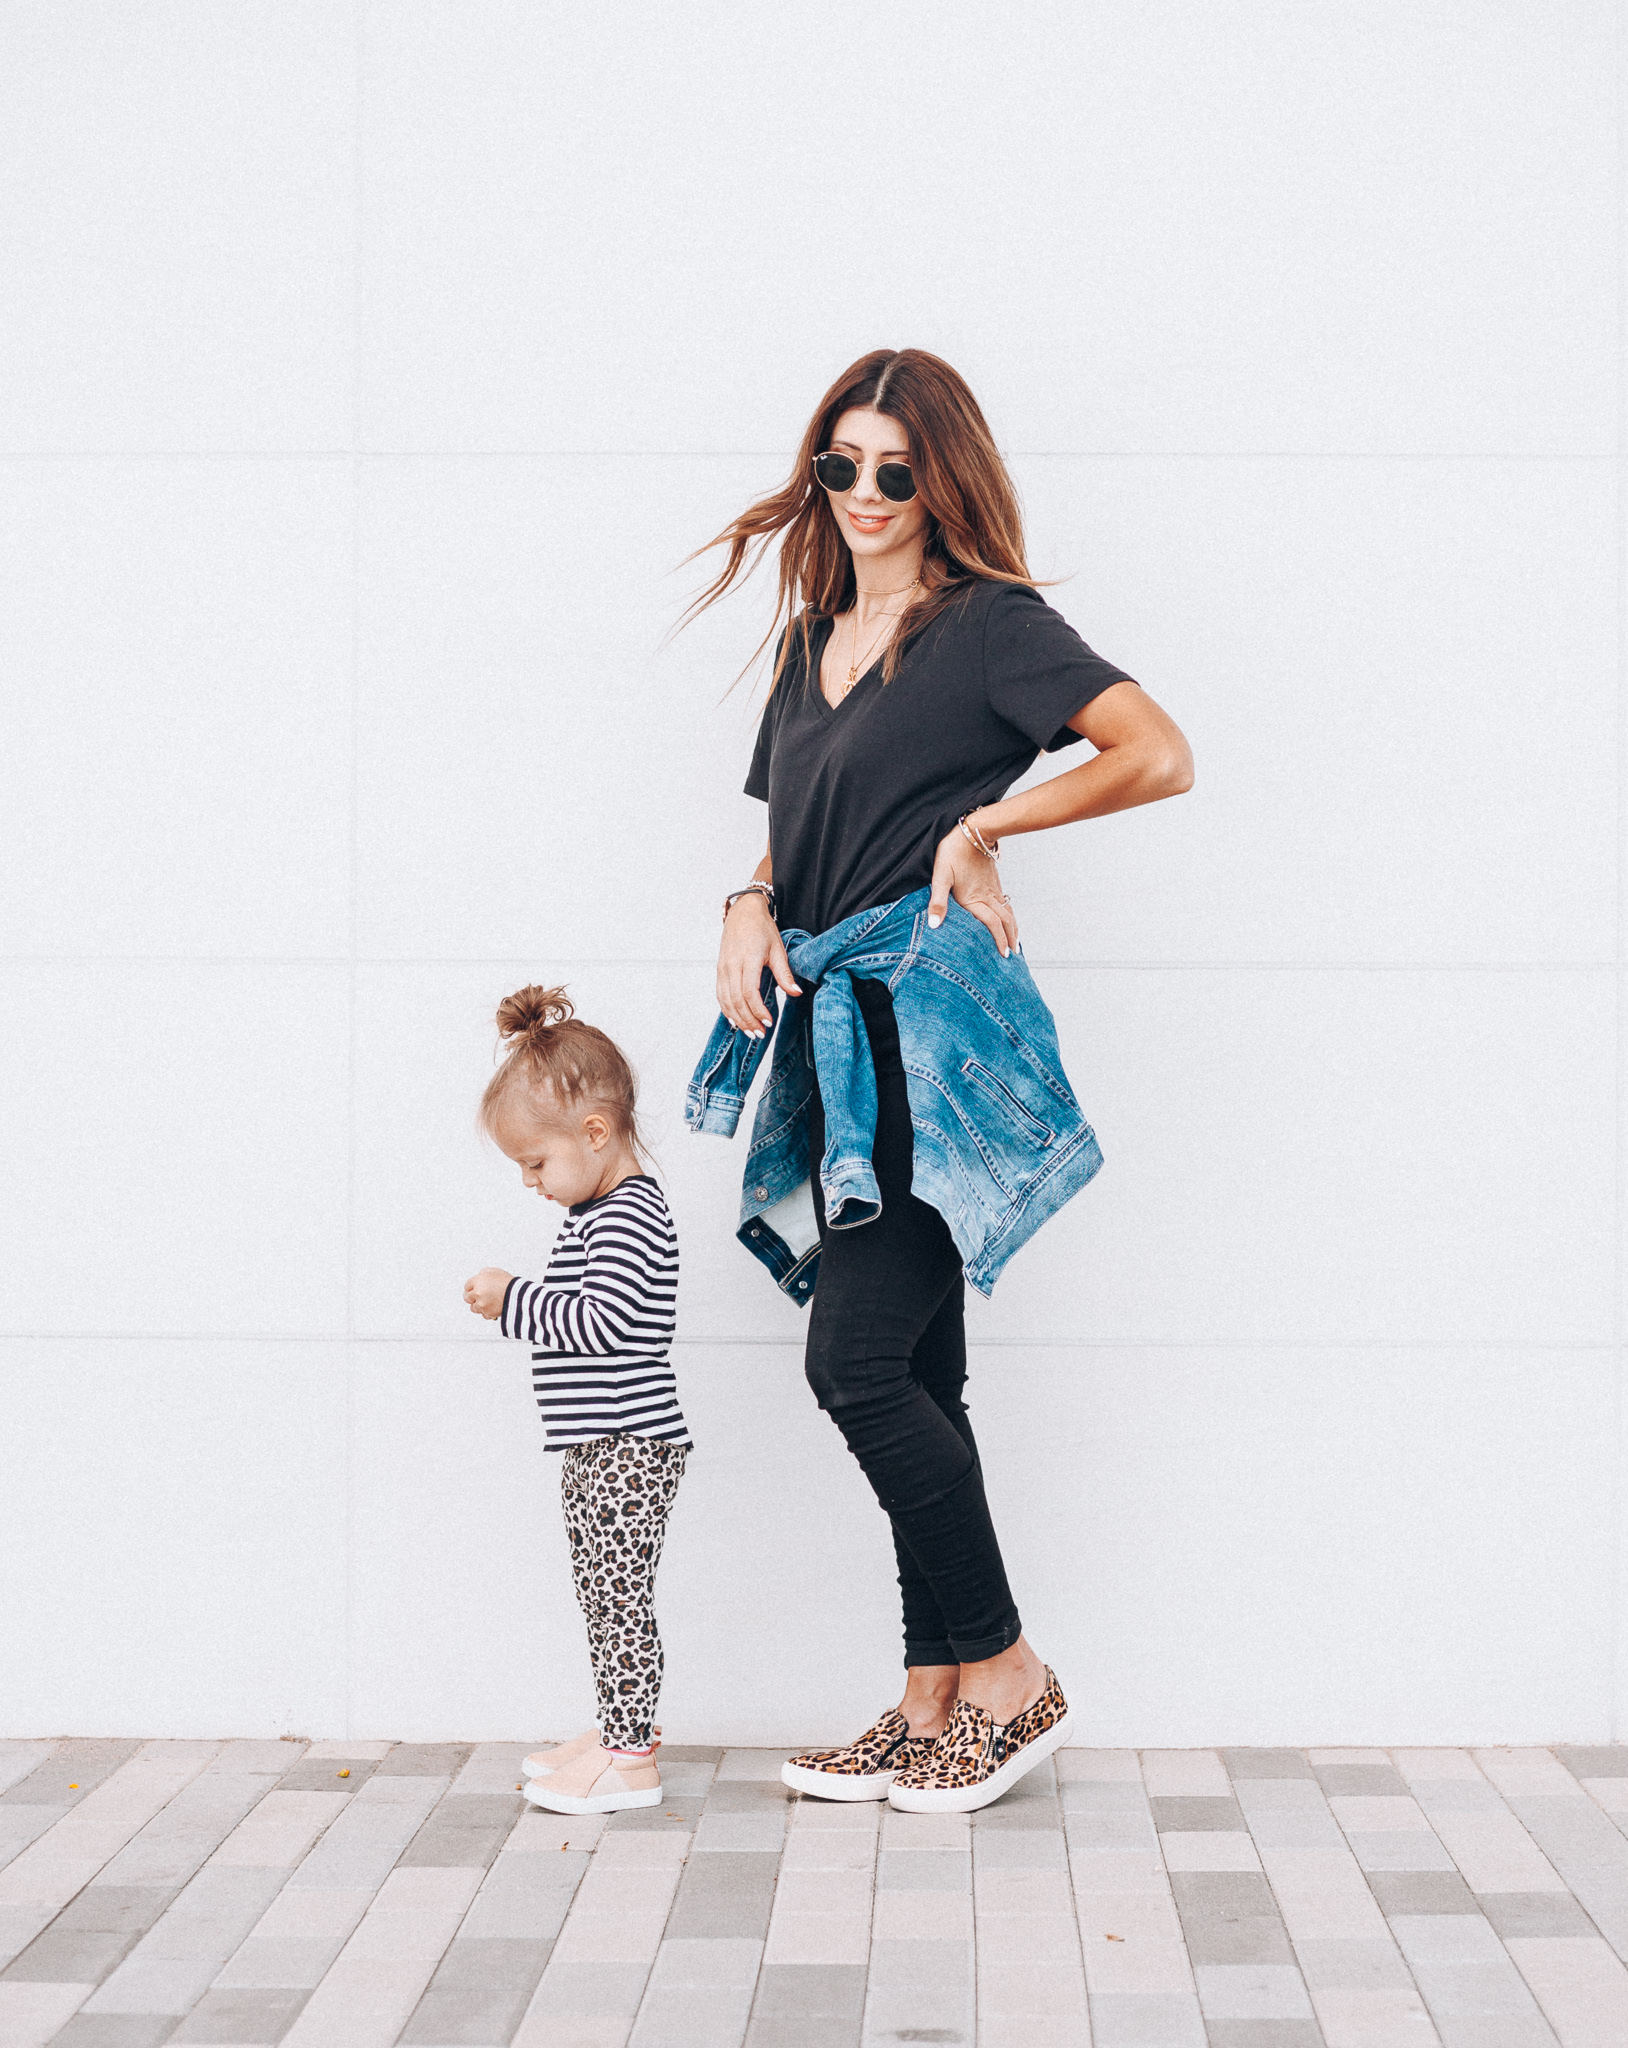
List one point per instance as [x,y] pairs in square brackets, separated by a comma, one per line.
[974,1650]
[939,1652]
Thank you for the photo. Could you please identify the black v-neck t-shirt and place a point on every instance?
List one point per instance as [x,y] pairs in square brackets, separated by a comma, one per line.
[861,793]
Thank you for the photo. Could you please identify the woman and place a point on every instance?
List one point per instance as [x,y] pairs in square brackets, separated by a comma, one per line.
[918,676]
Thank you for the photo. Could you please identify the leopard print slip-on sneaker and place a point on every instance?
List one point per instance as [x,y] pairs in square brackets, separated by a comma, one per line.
[974,1761]
[865,1768]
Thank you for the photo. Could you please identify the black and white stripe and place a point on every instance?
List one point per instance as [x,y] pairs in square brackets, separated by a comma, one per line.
[601,1320]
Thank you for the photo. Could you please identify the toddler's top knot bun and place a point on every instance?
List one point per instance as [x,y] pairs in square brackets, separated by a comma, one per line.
[531,1011]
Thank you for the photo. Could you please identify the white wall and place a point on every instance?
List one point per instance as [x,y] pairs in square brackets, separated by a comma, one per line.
[376,368]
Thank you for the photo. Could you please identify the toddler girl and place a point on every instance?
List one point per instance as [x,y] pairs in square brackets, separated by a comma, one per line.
[599,1322]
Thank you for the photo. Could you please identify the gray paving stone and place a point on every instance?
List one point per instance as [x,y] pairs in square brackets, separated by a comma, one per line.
[590,1990]
[426,1760]
[62,1955]
[1352,1963]
[448,1848]
[728,1893]
[1123,1829]
[283,1962]
[1264,2034]
[1421,1891]
[689,2017]
[1245,1938]
[1611,1762]
[114,1908]
[479,1993]
[1223,1894]
[20,1825]
[1145,2019]
[1020,1816]
[789,2030]
[924,1870]
[761,1831]
[824,1991]
[181,1839]
[1317,1829]
[1505,2030]
[1401,1849]
[70,1774]
[1266,1763]
[1361,1781]
[945,1964]
[1088,1795]
[1195,1815]
[919,2012]
[114,2030]
[249,1753]
[249,2016]
[670,1817]
[691,1753]
[1455,1990]
[1020,1849]
[322,1774]
[1540,1913]
[750,1795]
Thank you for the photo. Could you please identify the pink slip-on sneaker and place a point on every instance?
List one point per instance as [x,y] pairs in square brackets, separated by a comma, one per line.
[598,1780]
[542,1761]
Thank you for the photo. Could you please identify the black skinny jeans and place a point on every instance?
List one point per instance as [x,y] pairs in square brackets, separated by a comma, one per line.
[887,1359]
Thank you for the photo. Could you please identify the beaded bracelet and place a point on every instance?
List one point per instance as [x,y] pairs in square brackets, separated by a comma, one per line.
[763,889]
[975,838]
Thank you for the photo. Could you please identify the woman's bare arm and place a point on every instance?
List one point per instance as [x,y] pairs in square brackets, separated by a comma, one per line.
[750,943]
[1141,757]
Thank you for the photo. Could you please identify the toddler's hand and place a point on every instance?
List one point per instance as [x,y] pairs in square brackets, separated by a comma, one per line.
[485,1292]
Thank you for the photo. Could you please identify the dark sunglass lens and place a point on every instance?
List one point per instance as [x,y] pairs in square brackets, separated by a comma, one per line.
[893,480]
[836,472]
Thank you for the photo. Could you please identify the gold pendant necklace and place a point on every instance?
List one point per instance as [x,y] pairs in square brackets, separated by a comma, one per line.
[889,620]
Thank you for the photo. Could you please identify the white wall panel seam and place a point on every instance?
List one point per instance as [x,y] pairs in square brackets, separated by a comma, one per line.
[1619,1589]
[358,18]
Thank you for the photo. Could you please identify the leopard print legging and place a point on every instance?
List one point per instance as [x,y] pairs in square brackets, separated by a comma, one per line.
[617,1492]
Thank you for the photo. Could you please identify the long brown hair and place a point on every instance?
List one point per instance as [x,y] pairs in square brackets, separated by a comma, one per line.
[546,1048]
[974,524]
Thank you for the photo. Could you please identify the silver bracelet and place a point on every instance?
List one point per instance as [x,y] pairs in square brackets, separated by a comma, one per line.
[975,838]
[763,889]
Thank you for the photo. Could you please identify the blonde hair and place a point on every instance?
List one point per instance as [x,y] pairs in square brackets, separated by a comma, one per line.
[549,1049]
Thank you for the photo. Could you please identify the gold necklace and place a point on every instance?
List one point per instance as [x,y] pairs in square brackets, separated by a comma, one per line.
[889,620]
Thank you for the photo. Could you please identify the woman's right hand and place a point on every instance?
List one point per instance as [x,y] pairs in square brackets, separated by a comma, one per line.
[751,942]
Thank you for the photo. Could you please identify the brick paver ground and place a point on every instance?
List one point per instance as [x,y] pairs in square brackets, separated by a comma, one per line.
[355,1895]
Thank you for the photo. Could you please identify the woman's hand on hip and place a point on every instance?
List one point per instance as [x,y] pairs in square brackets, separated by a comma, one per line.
[974,880]
[751,942]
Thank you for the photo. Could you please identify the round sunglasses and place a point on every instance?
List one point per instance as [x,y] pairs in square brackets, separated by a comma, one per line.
[841,473]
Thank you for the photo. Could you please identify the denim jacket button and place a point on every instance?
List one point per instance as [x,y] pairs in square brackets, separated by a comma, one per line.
[763,1194]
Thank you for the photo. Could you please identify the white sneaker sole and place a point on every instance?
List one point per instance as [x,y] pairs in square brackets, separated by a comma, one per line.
[968,1798]
[604,1802]
[833,1785]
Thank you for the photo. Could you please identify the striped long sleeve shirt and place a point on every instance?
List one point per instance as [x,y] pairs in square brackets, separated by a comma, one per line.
[601,1320]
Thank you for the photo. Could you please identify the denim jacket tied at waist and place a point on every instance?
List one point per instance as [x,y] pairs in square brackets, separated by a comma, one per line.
[1000,1142]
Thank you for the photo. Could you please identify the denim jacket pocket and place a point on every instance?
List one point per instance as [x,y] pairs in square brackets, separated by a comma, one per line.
[995,1088]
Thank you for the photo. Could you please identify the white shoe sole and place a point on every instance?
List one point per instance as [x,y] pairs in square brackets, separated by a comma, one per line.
[968,1798]
[604,1802]
[832,1785]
